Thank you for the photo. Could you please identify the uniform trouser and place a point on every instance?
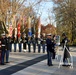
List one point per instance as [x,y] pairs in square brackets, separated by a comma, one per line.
[43,46]
[39,48]
[34,47]
[3,56]
[7,55]
[20,47]
[24,45]
[10,47]
[49,56]
[29,47]
[14,47]
[54,55]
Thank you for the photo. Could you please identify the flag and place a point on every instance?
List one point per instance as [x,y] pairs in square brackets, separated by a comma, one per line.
[39,27]
[24,20]
[29,27]
[10,30]
[15,33]
[29,23]
[18,29]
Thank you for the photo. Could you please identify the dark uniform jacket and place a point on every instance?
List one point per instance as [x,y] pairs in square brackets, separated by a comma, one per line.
[50,46]
[14,40]
[24,40]
[34,41]
[43,41]
[3,44]
[7,43]
[0,44]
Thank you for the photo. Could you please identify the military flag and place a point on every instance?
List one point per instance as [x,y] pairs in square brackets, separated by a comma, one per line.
[10,30]
[18,29]
[29,27]
[39,27]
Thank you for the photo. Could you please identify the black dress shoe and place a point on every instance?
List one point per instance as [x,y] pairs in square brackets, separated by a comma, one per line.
[66,65]
[3,64]
[50,65]
[7,62]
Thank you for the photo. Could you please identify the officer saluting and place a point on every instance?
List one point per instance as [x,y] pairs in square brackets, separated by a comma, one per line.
[50,51]
[3,47]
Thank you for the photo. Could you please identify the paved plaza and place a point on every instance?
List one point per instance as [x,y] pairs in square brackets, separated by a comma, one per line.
[24,63]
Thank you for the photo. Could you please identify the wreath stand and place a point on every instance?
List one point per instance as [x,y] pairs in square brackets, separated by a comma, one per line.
[57,52]
[69,60]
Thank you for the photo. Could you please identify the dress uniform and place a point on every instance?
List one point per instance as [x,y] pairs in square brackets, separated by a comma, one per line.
[11,41]
[29,44]
[15,43]
[34,44]
[49,50]
[0,51]
[24,40]
[39,45]
[20,44]
[3,48]
[43,44]
[7,47]
[53,46]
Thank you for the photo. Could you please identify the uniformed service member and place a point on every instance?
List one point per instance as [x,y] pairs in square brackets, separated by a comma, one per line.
[7,47]
[39,45]
[50,51]
[34,43]
[20,44]
[29,44]
[3,48]
[24,40]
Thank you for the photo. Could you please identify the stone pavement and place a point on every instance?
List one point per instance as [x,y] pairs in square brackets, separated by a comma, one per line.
[24,63]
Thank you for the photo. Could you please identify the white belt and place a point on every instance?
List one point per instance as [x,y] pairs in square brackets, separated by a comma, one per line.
[3,45]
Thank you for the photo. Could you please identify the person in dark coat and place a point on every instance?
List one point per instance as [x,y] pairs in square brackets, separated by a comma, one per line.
[3,48]
[53,46]
[50,51]
[66,51]
[43,42]
[34,43]
[29,44]
[0,51]
[7,47]
[11,42]
[24,40]
[39,45]
[20,43]
[15,43]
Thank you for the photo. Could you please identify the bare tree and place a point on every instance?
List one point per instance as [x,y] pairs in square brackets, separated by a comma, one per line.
[66,17]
